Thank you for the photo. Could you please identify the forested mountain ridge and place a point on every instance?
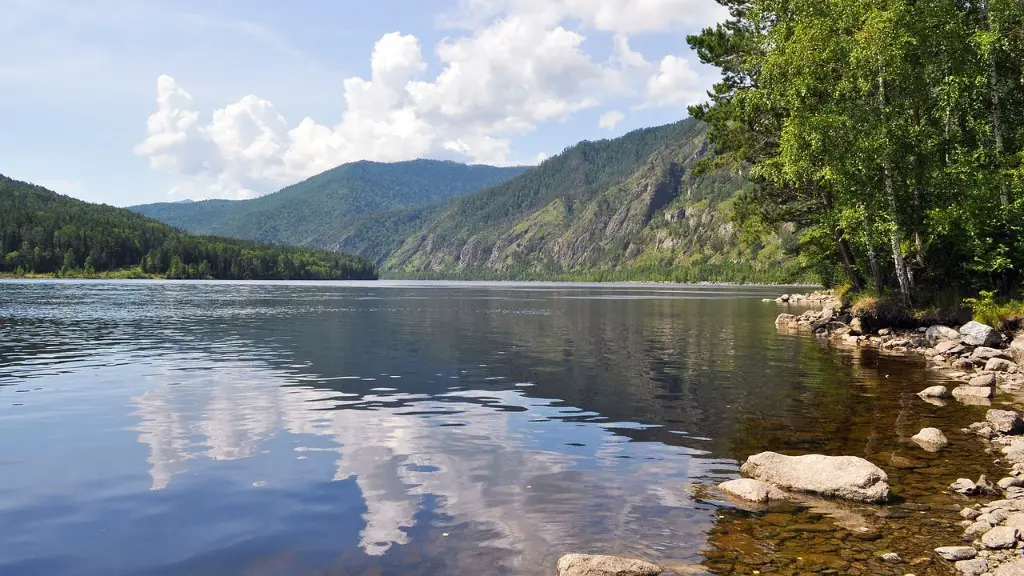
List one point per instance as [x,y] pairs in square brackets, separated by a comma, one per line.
[322,210]
[631,208]
[42,232]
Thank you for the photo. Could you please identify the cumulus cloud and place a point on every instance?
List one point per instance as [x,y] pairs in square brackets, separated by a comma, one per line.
[676,82]
[609,120]
[525,65]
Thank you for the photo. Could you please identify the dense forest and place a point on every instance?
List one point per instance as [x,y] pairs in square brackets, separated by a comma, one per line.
[890,133]
[323,210]
[42,232]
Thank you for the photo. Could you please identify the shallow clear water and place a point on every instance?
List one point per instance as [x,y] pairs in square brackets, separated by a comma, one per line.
[435,428]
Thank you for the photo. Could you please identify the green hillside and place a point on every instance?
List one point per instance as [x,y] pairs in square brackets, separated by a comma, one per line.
[42,232]
[631,208]
[322,211]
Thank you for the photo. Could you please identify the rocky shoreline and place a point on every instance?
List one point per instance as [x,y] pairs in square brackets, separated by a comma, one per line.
[985,366]
[984,362]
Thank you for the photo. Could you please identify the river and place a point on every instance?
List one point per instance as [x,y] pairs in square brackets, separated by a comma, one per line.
[257,428]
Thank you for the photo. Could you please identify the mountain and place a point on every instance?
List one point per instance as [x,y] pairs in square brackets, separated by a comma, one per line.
[42,232]
[322,210]
[632,208]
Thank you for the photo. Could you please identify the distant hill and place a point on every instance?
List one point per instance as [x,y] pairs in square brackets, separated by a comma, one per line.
[42,232]
[322,210]
[631,208]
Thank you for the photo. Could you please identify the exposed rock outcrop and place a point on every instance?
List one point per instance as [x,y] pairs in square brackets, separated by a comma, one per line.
[845,477]
[978,334]
[594,565]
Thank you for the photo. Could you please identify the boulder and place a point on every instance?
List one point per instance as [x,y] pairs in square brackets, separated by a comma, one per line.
[978,334]
[1000,365]
[967,392]
[1015,568]
[846,477]
[988,380]
[1011,482]
[858,327]
[752,490]
[1017,349]
[984,354]
[934,392]
[930,439]
[956,553]
[964,486]
[937,334]
[976,530]
[975,567]
[946,345]
[587,565]
[785,321]
[1004,421]
[1000,538]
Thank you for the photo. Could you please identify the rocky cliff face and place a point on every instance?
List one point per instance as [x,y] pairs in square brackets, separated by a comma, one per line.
[658,217]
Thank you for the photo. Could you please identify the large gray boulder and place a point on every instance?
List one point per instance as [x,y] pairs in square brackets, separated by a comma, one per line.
[936,334]
[588,565]
[1004,421]
[978,334]
[1000,538]
[984,353]
[846,477]
[752,490]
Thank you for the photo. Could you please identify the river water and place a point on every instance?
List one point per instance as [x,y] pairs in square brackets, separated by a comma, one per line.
[442,428]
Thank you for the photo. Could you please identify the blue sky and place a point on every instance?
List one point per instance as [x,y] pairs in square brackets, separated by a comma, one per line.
[136,101]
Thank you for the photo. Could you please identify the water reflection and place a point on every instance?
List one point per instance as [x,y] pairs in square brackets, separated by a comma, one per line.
[416,429]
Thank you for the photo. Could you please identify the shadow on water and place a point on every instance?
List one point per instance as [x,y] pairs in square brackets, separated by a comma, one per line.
[264,428]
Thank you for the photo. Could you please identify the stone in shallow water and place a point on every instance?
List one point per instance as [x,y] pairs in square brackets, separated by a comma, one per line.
[975,567]
[999,538]
[956,553]
[1004,421]
[930,439]
[846,477]
[963,486]
[967,393]
[588,565]
[986,380]
[752,490]
[934,392]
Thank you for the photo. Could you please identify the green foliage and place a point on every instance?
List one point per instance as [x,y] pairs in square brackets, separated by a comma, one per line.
[342,205]
[1003,314]
[42,232]
[891,133]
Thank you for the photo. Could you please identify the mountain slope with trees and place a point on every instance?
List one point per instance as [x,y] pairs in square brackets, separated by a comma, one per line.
[632,208]
[890,132]
[320,211]
[42,232]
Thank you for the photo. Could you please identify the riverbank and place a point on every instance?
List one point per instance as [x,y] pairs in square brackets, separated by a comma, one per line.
[985,366]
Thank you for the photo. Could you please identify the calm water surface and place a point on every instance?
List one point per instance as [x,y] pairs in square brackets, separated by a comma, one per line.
[430,428]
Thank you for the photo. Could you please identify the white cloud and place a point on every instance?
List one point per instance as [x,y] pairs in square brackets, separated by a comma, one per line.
[609,120]
[676,82]
[521,66]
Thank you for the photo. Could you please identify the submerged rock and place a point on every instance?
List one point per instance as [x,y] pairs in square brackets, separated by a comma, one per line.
[752,490]
[846,477]
[978,334]
[588,565]
[956,553]
[786,321]
[930,439]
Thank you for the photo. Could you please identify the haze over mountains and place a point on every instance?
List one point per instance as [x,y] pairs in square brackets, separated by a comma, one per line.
[632,208]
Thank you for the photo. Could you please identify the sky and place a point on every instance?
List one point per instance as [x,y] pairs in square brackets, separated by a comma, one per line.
[135,101]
